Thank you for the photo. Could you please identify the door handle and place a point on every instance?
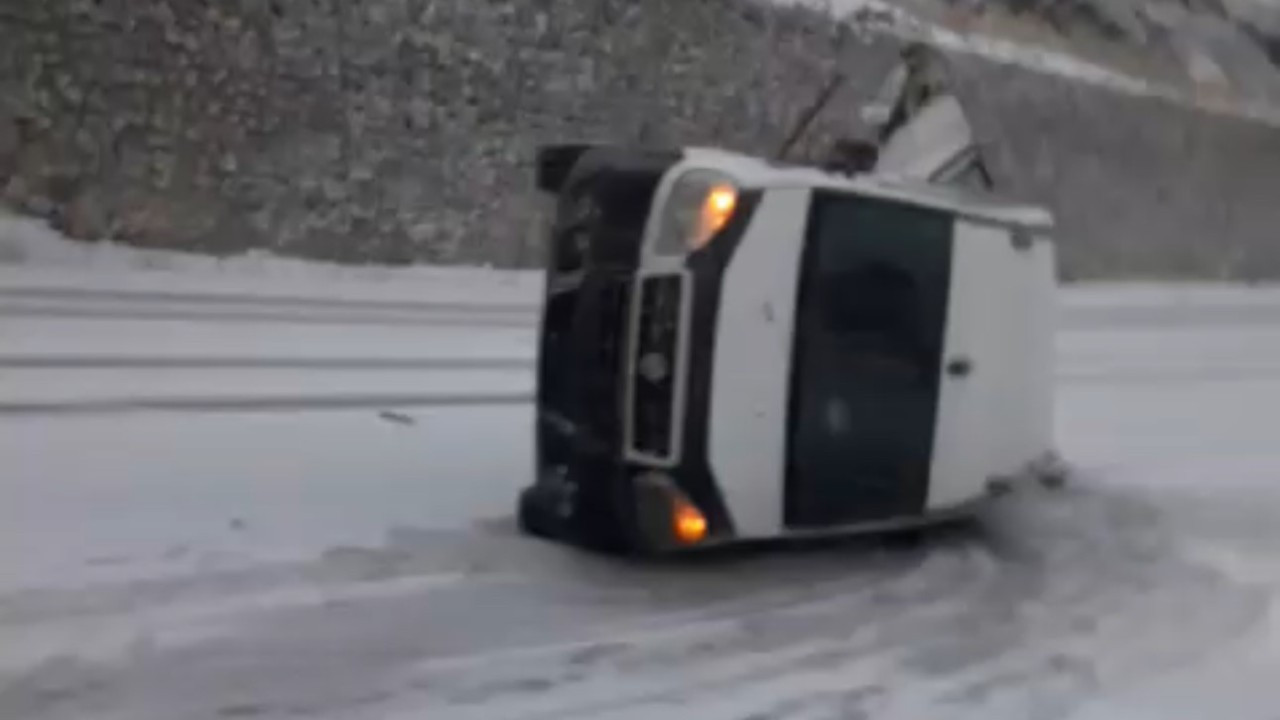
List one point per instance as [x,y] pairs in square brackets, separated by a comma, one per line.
[959,366]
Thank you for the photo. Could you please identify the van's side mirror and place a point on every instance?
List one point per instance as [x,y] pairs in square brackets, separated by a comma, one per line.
[555,163]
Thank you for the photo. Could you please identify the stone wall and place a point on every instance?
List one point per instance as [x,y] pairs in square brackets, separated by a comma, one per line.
[402,130]
[380,130]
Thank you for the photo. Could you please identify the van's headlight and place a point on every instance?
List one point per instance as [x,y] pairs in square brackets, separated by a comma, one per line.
[699,206]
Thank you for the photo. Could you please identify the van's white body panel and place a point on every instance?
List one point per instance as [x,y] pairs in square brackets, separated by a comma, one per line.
[997,419]
[751,380]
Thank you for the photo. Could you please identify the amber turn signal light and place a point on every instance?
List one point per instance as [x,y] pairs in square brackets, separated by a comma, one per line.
[690,523]
[717,208]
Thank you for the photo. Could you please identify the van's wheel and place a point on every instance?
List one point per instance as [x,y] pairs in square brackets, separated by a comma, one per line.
[547,511]
[599,524]
[1054,481]
[906,539]
[537,513]
[1052,472]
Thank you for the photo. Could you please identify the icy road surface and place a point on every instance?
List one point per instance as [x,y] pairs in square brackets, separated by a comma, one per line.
[310,558]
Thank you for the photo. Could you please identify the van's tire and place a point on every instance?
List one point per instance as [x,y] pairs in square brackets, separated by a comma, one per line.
[601,530]
[537,515]
[597,522]
[1055,479]
[905,539]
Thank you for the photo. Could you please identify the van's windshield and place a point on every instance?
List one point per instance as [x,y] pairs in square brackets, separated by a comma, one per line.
[869,334]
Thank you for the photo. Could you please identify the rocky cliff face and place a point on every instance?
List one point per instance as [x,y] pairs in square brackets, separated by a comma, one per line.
[1142,187]
[402,130]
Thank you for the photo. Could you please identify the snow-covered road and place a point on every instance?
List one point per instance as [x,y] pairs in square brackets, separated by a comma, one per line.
[359,561]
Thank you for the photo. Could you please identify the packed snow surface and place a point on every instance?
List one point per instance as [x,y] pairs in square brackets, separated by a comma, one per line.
[343,547]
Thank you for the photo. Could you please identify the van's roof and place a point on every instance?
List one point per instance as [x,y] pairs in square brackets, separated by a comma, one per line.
[755,172]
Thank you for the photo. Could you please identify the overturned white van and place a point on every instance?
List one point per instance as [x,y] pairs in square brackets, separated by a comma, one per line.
[735,349]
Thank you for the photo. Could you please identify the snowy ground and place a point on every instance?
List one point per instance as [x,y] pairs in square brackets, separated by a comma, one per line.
[344,550]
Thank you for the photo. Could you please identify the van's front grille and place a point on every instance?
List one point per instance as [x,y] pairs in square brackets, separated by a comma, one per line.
[654,366]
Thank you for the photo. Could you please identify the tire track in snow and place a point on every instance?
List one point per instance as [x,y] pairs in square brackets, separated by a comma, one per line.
[228,362]
[99,296]
[1010,620]
[141,312]
[107,305]
[823,623]
[262,403]
[1000,622]
[103,378]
